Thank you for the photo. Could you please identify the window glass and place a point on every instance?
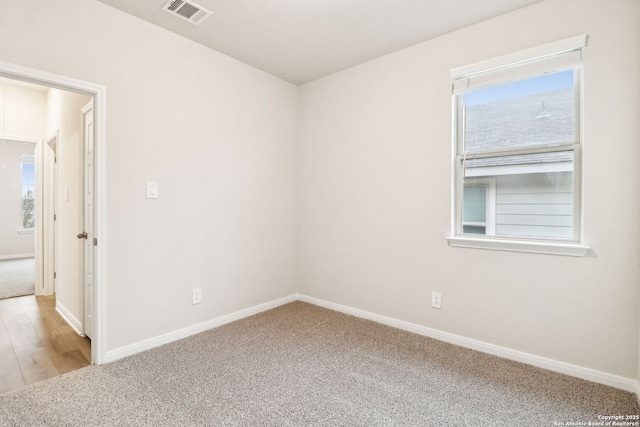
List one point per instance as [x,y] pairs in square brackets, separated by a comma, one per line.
[475,204]
[519,135]
[28,194]
[528,112]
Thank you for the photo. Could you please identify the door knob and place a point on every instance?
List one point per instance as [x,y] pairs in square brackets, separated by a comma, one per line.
[83,235]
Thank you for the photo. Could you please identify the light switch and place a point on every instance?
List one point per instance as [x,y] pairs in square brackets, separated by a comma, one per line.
[152,190]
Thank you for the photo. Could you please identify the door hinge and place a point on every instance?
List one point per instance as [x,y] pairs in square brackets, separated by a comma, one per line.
[95,242]
[55,275]
[55,217]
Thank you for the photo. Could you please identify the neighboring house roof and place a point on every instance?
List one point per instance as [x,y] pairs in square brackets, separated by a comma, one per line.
[519,122]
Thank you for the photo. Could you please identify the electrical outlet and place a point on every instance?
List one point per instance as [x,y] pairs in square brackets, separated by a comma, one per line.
[436,300]
[196,295]
[152,190]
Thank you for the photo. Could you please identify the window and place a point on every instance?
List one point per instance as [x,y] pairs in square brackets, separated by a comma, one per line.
[28,215]
[517,152]
[478,215]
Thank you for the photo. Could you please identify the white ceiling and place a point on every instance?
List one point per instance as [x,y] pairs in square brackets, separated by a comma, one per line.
[303,40]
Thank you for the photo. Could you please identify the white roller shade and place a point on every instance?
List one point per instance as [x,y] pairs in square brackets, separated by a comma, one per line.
[547,59]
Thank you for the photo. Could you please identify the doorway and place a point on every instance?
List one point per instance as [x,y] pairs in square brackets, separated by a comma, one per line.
[97,96]
[41,182]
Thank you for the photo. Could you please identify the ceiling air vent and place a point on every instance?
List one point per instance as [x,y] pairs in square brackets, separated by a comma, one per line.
[187,10]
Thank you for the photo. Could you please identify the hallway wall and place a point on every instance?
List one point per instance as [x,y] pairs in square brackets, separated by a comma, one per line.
[64,115]
[22,115]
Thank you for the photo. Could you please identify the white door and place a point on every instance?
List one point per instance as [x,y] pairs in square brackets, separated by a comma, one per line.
[88,139]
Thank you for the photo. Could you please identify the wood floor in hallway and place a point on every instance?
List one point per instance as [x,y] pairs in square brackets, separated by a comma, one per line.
[36,343]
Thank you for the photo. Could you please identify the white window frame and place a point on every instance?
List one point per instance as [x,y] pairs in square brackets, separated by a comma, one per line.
[30,160]
[524,64]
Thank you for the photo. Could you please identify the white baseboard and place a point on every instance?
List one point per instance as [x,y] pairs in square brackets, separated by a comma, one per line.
[69,318]
[16,256]
[150,343]
[627,384]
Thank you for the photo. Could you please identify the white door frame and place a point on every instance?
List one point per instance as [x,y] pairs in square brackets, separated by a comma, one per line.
[99,94]
[49,198]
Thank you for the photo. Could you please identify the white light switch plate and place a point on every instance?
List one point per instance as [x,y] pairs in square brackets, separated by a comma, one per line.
[152,190]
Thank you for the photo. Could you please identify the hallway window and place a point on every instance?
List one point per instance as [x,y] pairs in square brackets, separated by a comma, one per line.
[28,217]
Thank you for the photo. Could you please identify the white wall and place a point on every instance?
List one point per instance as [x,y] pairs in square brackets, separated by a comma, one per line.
[23,111]
[375,179]
[22,115]
[218,136]
[12,242]
[64,115]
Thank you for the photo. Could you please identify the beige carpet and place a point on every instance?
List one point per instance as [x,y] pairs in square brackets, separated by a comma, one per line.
[301,365]
[17,277]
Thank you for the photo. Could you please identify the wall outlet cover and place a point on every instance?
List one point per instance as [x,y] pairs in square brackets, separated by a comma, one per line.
[196,295]
[436,300]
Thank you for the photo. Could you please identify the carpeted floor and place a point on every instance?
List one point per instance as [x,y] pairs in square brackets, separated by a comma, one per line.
[17,277]
[302,365]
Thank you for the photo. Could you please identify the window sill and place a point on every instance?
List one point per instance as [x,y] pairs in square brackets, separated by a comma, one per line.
[25,231]
[567,249]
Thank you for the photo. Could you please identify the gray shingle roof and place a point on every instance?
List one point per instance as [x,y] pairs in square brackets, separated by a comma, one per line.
[519,122]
